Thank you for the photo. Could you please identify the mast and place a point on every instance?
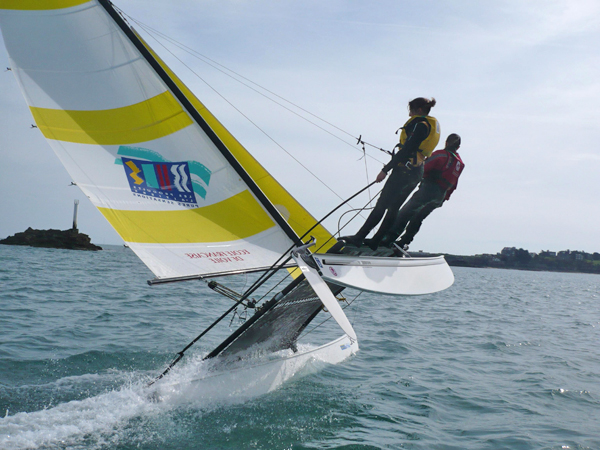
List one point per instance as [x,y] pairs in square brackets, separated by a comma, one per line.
[156,66]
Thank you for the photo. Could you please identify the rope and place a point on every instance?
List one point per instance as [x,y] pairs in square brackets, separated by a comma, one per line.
[250,120]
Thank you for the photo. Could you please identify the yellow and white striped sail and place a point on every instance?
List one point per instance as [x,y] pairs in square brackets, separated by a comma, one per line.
[163,183]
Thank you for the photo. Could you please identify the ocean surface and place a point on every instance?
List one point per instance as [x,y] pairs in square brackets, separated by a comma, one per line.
[501,360]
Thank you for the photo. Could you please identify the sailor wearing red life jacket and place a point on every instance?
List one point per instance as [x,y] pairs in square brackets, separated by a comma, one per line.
[442,170]
[445,166]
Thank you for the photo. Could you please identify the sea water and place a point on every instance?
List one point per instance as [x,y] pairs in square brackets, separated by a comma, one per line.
[501,360]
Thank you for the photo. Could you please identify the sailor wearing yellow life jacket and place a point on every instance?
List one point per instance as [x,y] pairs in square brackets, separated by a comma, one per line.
[427,146]
[420,135]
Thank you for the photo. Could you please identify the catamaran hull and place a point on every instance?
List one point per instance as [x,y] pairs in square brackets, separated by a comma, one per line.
[248,379]
[392,276]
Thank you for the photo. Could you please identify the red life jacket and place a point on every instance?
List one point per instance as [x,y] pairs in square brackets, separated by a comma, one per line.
[444,168]
[452,170]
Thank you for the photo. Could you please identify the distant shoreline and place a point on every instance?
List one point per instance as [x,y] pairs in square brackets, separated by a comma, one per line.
[566,261]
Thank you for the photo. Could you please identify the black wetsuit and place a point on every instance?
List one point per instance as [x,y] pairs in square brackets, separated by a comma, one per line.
[442,171]
[403,179]
[427,198]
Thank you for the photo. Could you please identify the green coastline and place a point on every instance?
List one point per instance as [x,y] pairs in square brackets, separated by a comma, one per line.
[520,259]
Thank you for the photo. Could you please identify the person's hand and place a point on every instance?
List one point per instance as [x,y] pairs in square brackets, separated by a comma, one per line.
[381,176]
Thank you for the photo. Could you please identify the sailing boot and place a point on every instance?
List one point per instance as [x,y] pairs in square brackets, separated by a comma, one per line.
[337,247]
[380,239]
[356,240]
[370,223]
[371,243]
[388,240]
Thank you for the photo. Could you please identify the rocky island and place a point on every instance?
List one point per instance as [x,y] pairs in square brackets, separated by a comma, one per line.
[67,239]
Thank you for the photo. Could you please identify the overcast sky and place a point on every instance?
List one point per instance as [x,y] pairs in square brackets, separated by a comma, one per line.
[518,80]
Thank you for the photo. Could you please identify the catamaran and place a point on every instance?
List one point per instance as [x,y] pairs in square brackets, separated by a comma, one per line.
[181,191]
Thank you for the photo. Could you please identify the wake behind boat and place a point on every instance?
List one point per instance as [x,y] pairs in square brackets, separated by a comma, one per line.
[181,191]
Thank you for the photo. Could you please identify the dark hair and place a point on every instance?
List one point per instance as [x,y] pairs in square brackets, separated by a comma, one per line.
[452,142]
[421,103]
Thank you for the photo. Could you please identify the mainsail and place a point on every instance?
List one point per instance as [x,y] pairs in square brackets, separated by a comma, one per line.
[183,194]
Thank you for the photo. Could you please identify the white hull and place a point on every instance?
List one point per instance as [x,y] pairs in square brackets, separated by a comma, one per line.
[248,379]
[392,276]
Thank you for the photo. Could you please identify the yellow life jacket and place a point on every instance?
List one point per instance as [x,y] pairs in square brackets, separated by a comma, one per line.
[429,144]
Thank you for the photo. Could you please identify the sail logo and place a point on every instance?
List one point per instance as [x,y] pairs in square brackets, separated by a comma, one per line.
[168,181]
[198,174]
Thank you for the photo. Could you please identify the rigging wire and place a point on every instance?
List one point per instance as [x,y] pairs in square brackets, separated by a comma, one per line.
[227,71]
[359,210]
[260,299]
[248,119]
[153,33]
[252,122]
[348,303]
[366,167]
[352,210]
